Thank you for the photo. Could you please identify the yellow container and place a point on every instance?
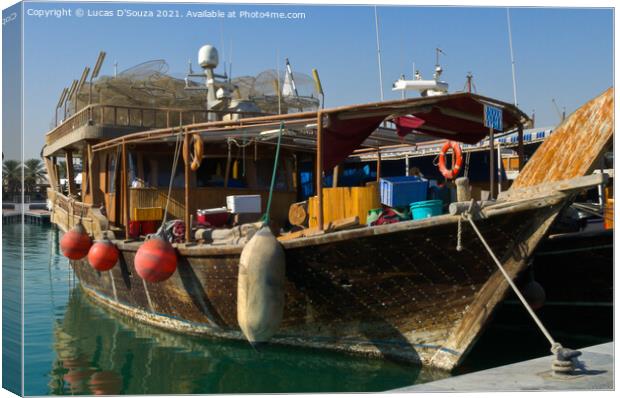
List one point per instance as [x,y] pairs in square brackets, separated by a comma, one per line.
[148,213]
[344,202]
[608,221]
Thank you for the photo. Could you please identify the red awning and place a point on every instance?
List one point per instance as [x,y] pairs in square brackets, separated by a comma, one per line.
[342,137]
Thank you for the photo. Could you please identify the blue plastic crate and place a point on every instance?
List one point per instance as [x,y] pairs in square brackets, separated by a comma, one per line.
[400,191]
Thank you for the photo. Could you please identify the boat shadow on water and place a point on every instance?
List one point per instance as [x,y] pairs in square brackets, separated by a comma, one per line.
[101,352]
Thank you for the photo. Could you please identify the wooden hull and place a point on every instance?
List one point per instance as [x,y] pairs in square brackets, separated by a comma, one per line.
[399,291]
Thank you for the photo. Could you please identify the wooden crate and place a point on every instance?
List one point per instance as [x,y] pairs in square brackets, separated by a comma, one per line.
[147,213]
[344,202]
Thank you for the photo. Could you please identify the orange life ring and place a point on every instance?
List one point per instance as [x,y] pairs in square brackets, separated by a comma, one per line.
[196,153]
[456,148]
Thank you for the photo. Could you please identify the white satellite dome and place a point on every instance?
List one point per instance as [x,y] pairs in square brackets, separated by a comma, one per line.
[207,57]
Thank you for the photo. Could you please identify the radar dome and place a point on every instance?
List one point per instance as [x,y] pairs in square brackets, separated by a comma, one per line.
[207,57]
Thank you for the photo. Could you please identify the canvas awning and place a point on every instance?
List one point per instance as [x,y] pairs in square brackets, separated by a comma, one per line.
[457,117]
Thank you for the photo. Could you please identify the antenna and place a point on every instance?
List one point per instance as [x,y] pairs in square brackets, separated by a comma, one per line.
[437,52]
[512,59]
[470,86]
[438,68]
[562,115]
[379,54]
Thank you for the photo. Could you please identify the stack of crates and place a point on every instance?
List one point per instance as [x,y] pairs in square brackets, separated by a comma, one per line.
[343,202]
[401,191]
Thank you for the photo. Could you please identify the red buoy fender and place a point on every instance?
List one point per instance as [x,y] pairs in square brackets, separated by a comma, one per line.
[456,149]
[75,243]
[103,255]
[156,260]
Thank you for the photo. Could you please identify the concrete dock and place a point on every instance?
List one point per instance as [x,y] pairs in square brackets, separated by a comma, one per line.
[33,213]
[532,375]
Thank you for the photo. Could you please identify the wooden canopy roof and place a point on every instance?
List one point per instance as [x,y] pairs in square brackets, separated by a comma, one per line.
[457,117]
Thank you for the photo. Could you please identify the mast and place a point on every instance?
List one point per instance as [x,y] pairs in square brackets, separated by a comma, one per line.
[379,54]
[512,59]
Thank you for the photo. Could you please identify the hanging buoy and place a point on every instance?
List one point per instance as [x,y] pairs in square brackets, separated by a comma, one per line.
[193,154]
[103,255]
[458,160]
[260,287]
[75,243]
[155,260]
[534,294]
[235,170]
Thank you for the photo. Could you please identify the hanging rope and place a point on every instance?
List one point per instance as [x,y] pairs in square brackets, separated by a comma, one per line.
[266,216]
[175,162]
[565,357]
[466,172]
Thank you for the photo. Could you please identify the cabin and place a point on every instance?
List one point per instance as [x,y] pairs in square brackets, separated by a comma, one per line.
[132,157]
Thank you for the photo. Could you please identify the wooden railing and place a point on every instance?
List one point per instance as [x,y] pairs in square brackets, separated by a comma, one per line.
[208,197]
[132,116]
[67,212]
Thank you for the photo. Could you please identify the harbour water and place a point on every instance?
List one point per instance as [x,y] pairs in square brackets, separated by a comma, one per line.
[72,346]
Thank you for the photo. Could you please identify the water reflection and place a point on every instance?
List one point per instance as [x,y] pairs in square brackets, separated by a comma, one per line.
[99,352]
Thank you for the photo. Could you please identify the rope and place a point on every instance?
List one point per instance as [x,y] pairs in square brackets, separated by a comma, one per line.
[265,217]
[554,345]
[466,172]
[175,162]
[459,233]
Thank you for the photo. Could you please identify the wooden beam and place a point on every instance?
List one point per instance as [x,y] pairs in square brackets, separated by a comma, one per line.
[520,147]
[124,190]
[188,227]
[335,174]
[492,171]
[319,169]
[85,173]
[70,172]
[378,164]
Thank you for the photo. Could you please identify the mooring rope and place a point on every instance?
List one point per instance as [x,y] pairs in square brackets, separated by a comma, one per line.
[512,284]
[265,218]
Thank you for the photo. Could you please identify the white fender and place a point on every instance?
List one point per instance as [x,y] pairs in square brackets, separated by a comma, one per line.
[260,287]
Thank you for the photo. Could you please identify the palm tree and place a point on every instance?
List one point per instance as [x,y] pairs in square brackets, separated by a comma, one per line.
[33,173]
[11,176]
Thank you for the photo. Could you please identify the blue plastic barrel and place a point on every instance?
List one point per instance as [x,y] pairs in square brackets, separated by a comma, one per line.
[425,209]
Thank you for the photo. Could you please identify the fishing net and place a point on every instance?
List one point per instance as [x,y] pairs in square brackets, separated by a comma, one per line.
[149,85]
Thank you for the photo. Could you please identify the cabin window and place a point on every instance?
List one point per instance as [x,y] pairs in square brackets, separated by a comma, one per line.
[212,173]
[264,170]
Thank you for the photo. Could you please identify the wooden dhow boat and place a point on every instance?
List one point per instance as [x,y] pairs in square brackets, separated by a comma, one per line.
[419,291]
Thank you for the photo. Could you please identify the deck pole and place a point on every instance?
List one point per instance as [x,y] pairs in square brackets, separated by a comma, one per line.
[335,175]
[378,164]
[406,163]
[124,190]
[319,168]
[520,148]
[70,172]
[188,227]
[492,171]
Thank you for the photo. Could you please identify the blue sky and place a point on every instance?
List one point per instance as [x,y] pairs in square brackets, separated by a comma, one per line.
[561,53]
